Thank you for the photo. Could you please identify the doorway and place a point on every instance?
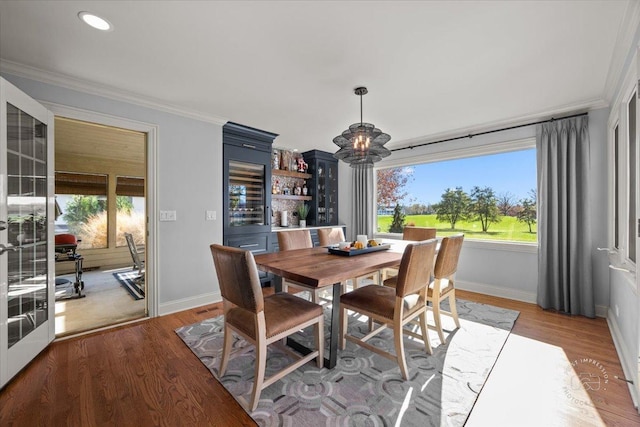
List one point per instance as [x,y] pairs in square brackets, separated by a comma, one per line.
[100,188]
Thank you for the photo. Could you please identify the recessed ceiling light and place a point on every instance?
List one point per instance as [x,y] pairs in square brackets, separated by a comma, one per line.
[95,21]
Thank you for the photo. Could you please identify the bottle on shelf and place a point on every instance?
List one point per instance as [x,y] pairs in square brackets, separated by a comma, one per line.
[304,189]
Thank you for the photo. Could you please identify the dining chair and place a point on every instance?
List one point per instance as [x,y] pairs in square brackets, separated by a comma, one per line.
[261,320]
[443,285]
[394,306]
[296,239]
[335,235]
[416,234]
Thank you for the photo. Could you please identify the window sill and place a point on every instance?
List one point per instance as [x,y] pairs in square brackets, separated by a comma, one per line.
[493,245]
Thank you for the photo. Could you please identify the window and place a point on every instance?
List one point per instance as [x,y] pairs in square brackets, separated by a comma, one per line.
[130,205]
[487,197]
[82,203]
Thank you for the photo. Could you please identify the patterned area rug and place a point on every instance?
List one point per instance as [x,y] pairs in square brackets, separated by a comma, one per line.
[365,389]
[128,281]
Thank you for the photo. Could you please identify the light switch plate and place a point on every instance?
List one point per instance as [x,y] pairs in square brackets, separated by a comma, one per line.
[167,215]
[210,215]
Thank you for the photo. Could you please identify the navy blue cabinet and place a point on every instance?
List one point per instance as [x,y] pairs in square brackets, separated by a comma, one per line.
[323,184]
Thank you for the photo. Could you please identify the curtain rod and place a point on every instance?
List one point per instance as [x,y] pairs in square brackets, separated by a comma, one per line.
[471,135]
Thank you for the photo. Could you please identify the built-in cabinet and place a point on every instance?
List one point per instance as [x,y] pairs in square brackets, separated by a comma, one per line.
[323,188]
[247,188]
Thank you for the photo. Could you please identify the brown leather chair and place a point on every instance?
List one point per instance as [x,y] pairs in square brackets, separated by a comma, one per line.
[418,234]
[261,320]
[335,235]
[443,285]
[296,239]
[394,306]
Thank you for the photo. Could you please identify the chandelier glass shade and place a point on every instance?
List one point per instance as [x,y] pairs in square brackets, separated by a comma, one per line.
[362,143]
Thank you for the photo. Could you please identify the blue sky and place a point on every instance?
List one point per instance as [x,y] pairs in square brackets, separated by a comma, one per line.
[513,172]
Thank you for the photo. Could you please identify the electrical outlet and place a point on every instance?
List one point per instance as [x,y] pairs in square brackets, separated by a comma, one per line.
[210,215]
[167,215]
[617,311]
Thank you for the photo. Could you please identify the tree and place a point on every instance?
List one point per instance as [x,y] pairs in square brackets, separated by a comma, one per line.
[506,203]
[453,207]
[391,183]
[528,212]
[81,208]
[397,225]
[124,204]
[484,206]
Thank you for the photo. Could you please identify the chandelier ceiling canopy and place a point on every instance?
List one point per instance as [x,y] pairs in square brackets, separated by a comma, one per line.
[362,143]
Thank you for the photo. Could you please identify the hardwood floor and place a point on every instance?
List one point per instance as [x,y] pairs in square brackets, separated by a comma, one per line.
[143,375]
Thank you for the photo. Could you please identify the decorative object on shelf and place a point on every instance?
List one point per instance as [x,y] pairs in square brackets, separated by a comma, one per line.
[303,211]
[284,219]
[362,143]
[275,164]
[304,189]
[302,165]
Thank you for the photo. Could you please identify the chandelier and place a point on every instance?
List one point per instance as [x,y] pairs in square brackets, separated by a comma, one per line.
[362,143]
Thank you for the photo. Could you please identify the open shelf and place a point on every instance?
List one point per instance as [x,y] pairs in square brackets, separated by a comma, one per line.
[285,197]
[292,174]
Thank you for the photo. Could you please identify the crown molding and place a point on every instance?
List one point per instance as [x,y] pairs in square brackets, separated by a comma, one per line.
[622,48]
[92,88]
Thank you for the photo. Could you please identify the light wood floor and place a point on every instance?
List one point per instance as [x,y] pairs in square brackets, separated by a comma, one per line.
[144,375]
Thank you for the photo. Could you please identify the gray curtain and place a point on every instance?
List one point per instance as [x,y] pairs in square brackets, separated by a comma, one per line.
[564,255]
[363,201]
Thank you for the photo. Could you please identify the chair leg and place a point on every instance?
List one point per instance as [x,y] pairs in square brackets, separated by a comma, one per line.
[397,338]
[258,380]
[425,333]
[320,342]
[226,350]
[454,309]
[436,317]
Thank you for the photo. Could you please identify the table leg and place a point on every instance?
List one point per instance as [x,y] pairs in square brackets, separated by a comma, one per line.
[330,359]
[335,327]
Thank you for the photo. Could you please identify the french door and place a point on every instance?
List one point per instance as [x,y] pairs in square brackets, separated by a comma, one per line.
[26,230]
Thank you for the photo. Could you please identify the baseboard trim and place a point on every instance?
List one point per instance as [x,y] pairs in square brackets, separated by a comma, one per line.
[497,291]
[189,303]
[626,361]
[514,294]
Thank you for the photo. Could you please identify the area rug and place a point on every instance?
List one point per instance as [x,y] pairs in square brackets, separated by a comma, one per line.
[127,279]
[365,389]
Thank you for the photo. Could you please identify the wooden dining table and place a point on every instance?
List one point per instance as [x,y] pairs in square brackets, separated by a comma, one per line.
[317,268]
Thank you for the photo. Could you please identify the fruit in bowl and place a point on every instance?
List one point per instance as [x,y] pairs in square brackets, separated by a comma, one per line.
[372,243]
[358,245]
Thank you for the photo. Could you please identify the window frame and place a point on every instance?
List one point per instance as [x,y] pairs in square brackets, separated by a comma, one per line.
[501,147]
[619,117]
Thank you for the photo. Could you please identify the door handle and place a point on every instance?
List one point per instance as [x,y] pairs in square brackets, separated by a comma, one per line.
[8,248]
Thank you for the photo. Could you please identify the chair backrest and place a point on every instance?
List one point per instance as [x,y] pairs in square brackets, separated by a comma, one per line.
[330,236]
[132,248]
[294,239]
[418,233]
[416,267]
[238,277]
[447,261]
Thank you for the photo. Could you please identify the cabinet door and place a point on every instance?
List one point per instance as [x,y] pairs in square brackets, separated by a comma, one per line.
[247,172]
[332,193]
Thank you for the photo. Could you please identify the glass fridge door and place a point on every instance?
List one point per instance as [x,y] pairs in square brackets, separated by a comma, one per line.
[246,194]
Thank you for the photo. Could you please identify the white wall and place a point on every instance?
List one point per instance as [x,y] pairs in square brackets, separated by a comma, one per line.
[189,182]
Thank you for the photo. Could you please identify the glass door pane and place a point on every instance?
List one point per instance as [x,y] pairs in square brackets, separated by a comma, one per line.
[27,297]
[246,193]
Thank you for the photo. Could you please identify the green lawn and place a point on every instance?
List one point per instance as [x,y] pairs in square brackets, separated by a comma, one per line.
[509,228]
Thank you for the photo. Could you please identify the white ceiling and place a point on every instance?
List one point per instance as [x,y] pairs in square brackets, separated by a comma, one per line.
[432,68]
